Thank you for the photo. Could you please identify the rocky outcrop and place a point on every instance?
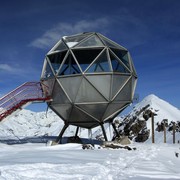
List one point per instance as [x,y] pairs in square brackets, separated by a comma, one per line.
[134,127]
[123,140]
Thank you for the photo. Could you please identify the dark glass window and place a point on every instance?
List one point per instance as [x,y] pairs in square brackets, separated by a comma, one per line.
[116,65]
[56,59]
[47,72]
[122,55]
[100,65]
[69,67]
[86,56]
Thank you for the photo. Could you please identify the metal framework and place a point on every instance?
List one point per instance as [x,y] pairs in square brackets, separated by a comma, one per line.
[26,93]
[92,79]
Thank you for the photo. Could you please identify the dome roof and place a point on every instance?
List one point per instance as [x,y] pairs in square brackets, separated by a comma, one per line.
[91,78]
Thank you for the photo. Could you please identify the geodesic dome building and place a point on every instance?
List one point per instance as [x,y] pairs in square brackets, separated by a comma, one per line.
[91,79]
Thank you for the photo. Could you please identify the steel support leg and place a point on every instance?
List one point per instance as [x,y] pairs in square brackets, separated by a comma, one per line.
[104,132]
[114,127]
[58,140]
[77,130]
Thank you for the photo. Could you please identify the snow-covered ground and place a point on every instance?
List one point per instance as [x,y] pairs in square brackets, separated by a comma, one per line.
[31,161]
[70,161]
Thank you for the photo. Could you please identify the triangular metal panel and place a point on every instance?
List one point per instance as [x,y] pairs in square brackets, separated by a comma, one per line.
[71,85]
[43,74]
[95,110]
[48,85]
[63,109]
[54,47]
[101,64]
[79,116]
[58,95]
[113,108]
[69,66]
[110,43]
[88,125]
[126,93]
[117,65]
[72,41]
[102,83]
[60,46]
[93,41]
[86,56]
[87,93]
[134,81]
[132,65]
[118,82]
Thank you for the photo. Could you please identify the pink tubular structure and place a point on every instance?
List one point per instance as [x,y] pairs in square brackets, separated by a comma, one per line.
[26,93]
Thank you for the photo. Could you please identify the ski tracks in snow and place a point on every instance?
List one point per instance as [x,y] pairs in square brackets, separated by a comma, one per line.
[147,162]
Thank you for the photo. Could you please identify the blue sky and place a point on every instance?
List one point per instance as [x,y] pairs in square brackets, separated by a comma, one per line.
[150,30]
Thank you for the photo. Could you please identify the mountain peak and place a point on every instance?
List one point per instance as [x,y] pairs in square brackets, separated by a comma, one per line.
[137,124]
[151,96]
[163,109]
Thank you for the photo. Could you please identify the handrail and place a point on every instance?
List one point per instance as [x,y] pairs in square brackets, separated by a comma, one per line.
[27,92]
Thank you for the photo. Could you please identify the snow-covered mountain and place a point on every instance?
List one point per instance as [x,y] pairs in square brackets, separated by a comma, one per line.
[135,123]
[70,161]
[163,109]
[28,124]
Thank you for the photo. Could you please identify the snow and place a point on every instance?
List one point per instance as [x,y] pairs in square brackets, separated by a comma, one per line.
[160,107]
[29,161]
[69,161]
[163,110]
[2,110]
[71,44]
[31,124]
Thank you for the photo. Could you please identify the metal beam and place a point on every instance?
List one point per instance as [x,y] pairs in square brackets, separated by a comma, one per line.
[104,132]
[77,130]
[114,127]
[58,140]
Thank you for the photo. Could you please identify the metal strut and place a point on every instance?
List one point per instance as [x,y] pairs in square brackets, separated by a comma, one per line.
[104,132]
[58,140]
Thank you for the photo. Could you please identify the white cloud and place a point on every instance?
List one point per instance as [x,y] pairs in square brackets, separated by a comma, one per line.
[13,70]
[52,35]
[7,68]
